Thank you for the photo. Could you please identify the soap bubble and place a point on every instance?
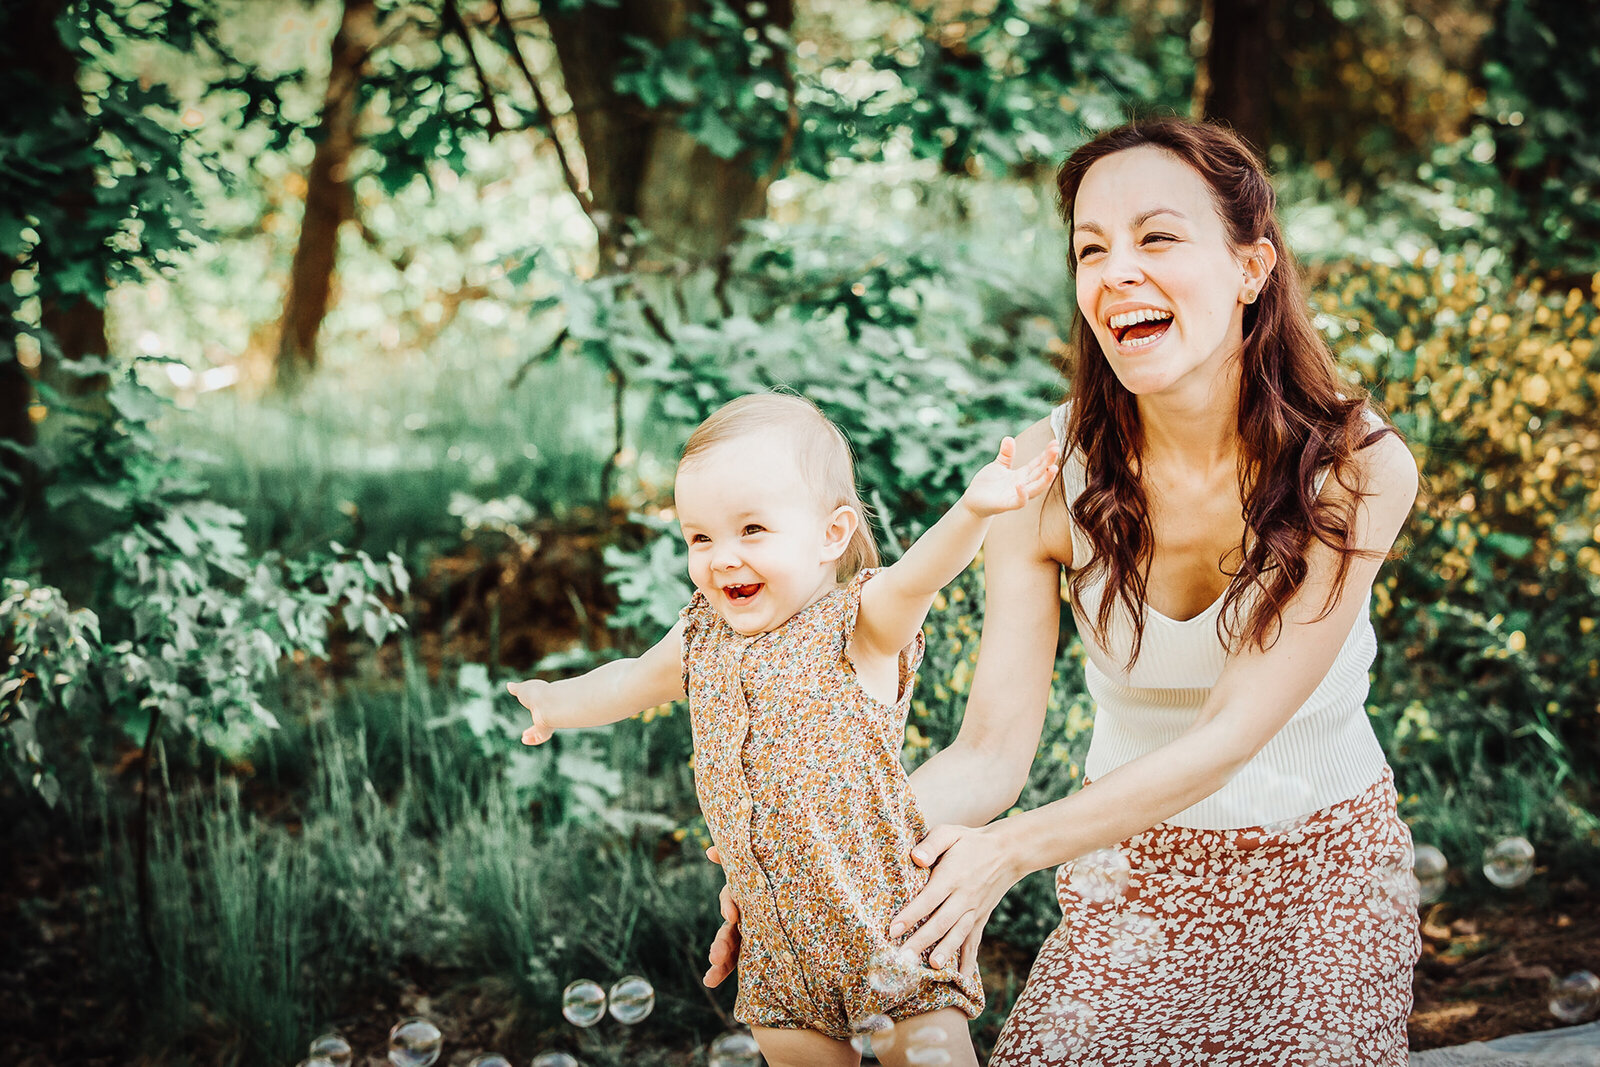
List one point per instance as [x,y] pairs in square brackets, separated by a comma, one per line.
[331,1047]
[893,971]
[1508,863]
[1136,938]
[1100,876]
[1282,827]
[1393,891]
[583,1003]
[489,1059]
[866,1028]
[924,1047]
[1335,1050]
[735,1049]
[1068,1024]
[553,1059]
[414,1042]
[1429,867]
[632,999]
[1575,998]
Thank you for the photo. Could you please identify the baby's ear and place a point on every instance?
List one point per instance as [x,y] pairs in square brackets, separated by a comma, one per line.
[842,526]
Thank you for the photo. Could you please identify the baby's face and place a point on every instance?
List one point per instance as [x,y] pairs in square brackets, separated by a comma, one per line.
[758,537]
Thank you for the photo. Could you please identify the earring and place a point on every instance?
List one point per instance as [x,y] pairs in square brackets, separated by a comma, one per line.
[1249,296]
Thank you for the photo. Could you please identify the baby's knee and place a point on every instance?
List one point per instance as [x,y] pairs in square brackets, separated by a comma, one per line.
[803,1048]
[935,1037]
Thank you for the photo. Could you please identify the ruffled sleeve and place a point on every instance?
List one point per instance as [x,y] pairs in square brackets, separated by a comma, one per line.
[698,617]
[910,656]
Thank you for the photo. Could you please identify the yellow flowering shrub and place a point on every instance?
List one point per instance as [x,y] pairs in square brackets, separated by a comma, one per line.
[1489,659]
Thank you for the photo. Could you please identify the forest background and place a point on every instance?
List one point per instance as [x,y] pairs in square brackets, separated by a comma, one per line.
[348,346]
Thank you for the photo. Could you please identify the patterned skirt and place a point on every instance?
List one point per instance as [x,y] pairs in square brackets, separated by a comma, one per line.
[1275,946]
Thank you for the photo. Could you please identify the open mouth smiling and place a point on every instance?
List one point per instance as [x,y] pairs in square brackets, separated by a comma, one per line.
[1144,326]
[740,593]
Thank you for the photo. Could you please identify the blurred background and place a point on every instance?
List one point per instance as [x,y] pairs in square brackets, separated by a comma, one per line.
[347,351]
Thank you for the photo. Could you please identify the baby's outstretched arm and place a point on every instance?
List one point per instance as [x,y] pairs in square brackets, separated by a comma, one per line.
[606,694]
[895,603]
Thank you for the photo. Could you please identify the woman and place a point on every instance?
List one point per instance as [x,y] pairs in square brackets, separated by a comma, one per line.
[1236,887]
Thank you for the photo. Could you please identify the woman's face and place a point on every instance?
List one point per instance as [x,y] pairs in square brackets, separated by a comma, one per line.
[1159,281]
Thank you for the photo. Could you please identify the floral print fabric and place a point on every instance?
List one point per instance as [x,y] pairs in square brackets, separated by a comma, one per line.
[799,777]
[1275,946]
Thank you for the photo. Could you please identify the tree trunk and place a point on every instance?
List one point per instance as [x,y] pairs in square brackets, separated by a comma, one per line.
[1236,82]
[329,198]
[34,48]
[16,427]
[641,164]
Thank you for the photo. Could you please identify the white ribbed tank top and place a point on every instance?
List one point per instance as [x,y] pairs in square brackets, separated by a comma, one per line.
[1325,753]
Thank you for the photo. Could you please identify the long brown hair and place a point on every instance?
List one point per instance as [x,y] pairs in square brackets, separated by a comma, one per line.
[1296,416]
[819,447]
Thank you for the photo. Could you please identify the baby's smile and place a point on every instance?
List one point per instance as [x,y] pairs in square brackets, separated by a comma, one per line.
[740,593]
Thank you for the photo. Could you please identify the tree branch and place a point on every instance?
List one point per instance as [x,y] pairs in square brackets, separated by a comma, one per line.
[585,201]
[452,18]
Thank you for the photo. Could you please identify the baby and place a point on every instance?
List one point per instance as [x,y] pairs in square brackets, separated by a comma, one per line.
[798,658]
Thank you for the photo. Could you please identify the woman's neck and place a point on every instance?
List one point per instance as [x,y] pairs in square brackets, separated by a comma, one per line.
[1194,429]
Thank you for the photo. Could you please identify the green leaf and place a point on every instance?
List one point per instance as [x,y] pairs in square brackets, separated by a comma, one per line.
[676,85]
[134,402]
[182,536]
[722,140]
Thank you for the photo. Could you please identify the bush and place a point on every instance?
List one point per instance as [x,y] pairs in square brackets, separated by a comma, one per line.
[1488,691]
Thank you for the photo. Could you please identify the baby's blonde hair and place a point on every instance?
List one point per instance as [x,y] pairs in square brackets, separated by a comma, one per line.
[820,449]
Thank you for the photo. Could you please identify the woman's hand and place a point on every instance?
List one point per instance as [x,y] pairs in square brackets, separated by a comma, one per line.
[724,955]
[971,872]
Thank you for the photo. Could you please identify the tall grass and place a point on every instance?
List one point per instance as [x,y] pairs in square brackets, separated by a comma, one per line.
[377,461]
[403,849]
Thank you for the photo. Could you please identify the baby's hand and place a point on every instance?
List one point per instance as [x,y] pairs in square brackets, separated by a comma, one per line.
[527,694]
[997,487]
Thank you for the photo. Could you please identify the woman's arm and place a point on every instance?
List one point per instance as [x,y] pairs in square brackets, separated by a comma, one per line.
[982,772]
[1257,693]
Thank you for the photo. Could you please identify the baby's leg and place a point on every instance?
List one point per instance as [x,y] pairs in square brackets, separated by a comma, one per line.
[804,1048]
[939,1037]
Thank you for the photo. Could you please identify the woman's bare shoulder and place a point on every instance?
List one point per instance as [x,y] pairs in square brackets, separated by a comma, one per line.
[1041,532]
[1034,439]
[1387,479]
[1387,466]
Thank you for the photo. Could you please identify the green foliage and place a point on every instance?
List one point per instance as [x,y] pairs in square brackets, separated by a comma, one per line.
[50,650]
[727,78]
[1542,76]
[1019,82]
[858,330]
[1012,85]
[69,235]
[1489,694]
[652,581]
[191,624]
[426,107]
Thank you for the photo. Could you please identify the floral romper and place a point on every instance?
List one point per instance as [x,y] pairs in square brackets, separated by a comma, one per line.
[798,773]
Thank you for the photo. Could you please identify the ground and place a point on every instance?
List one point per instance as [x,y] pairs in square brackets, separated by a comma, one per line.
[1486,968]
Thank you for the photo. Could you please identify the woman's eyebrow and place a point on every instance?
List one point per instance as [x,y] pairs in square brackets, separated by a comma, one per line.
[1144,217]
[1138,220]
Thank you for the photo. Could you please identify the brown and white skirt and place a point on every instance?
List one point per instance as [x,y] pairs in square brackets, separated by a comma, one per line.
[1286,945]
